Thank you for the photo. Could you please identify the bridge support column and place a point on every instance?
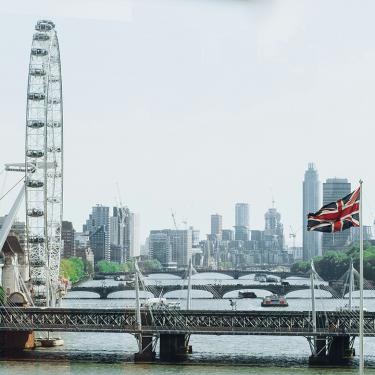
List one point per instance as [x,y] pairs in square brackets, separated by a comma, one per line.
[332,351]
[16,340]
[174,347]
[146,352]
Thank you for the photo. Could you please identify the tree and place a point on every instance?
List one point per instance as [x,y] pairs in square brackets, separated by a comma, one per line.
[72,269]
[334,264]
[152,265]
[104,266]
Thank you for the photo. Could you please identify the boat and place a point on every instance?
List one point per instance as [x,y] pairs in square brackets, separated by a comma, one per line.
[272,279]
[160,304]
[246,295]
[261,277]
[274,301]
[124,278]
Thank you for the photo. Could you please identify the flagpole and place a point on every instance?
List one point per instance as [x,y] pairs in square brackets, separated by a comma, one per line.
[361,315]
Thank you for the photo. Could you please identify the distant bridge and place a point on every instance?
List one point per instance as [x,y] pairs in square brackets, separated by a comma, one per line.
[235,274]
[217,290]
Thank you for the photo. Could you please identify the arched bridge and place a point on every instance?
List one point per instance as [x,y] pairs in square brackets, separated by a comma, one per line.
[235,274]
[218,291]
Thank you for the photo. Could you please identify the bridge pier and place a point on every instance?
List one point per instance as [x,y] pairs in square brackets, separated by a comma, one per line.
[331,351]
[174,347]
[146,349]
[17,340]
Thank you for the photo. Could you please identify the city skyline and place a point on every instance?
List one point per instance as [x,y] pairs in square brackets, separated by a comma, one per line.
[183,141]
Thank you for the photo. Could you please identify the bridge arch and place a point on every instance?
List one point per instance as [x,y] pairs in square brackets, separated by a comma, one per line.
[125,294]
[367,293]
[213,275]
[164,275]
[259,292]
[306,293]
[77,294]
[182,293]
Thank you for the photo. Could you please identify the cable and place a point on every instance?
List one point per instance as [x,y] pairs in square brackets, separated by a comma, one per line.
[11,188]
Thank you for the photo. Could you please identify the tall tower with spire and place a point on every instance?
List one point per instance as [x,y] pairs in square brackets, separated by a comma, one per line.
[311,203]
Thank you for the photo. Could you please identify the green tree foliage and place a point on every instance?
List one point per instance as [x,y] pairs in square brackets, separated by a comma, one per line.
[104,266]
[300,267]
[72,269]
[335,263]
[152,265]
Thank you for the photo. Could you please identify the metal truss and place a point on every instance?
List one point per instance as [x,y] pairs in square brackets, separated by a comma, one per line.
[288,323]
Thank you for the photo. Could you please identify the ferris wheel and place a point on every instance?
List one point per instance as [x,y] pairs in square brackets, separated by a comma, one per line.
[44,164]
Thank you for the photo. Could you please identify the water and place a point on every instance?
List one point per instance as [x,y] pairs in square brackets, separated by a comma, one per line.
[112,353]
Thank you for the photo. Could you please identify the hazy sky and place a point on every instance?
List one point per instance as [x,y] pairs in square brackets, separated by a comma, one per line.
[196,105]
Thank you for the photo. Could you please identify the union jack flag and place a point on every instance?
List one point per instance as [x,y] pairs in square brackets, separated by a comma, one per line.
[336,216]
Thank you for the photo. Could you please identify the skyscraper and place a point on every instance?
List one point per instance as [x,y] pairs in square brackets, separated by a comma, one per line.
[311,203]
[333,190]
[67,235]
[160,247]
[171,246]
[241,222]
[216,226]
[97,226]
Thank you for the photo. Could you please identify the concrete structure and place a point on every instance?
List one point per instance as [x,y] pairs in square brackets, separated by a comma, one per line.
[241,222]
[97,226]
[311,203]
[216,226]
[333,190]
[19,228]
[14,265]
[67,235]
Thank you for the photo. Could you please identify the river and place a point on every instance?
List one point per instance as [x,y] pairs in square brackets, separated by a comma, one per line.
[111,353]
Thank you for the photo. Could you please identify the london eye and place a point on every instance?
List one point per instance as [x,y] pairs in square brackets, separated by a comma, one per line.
[44,164]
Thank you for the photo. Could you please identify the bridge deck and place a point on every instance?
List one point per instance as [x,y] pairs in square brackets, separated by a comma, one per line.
[286,323]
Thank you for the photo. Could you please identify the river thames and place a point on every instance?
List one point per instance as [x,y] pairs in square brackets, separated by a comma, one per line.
[112,353]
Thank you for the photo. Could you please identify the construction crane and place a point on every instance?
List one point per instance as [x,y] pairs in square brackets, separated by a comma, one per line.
[174,219]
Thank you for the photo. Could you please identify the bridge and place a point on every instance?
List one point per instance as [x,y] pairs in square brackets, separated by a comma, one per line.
[334,332]
[234,273]
[218,291]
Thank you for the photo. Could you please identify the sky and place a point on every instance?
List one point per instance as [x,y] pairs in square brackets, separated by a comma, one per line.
[192,106]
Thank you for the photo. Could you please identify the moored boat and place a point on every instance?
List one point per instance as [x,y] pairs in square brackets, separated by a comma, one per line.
[246,295]
[274,301]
